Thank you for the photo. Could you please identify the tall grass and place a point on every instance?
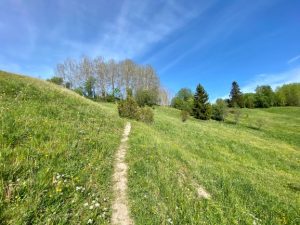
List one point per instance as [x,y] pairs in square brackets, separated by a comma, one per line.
[56,154]
[251,174]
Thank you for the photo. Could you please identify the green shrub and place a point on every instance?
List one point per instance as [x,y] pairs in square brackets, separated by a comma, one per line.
[184,115]
[219,110]
[146,97]
[56,80]
[183,100]
[128,108]
[249,100]
[265,96]
[146,115]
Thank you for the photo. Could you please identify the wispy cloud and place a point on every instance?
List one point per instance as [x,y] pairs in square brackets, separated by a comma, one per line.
[139,25]
[128,30]
[294,59]
[228,22]
[274,80]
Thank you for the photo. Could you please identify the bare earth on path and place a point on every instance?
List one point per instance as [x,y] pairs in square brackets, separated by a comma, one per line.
[120,210]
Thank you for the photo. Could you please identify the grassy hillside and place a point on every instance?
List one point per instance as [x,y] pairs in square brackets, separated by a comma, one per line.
[56,154]
[253,175]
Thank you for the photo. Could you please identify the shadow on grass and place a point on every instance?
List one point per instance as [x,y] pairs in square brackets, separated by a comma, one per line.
[247,126]
[294,187]
[253,127]
[230,122]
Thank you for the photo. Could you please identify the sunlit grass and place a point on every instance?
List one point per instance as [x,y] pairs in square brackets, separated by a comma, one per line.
[56,154]
[57,150]
[249,172]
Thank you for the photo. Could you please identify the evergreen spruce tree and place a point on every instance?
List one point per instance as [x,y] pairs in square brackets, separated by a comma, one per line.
[202,108]
[236,96]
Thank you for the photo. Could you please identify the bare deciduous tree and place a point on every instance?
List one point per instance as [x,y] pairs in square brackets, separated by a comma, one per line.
[109,75]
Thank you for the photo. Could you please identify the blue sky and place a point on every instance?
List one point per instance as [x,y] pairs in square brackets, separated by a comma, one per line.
[188,42]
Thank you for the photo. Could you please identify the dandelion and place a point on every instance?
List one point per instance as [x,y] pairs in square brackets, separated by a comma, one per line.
[58,189]
[90,221]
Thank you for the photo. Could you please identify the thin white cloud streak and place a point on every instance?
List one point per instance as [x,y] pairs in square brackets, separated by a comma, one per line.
[227,23]
[294,59]
[139,25]
[274,80]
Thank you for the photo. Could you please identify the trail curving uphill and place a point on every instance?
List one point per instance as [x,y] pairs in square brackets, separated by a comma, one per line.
[120,210]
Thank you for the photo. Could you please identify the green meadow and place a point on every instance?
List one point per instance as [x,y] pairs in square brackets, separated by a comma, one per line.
[252,175]
[57,156]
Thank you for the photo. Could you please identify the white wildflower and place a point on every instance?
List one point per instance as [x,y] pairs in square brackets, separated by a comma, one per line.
[78,188]
[86,204]
[97,205]
[91,207]
[90,221]
[169,220]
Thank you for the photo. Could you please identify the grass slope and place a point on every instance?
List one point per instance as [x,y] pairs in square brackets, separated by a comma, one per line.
[252,174]
[56,154]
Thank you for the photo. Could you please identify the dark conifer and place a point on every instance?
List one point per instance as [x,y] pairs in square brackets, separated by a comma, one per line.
[202,108]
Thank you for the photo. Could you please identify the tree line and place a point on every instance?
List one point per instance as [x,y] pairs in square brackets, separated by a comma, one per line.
[101,79]
[265,96]
[198,105]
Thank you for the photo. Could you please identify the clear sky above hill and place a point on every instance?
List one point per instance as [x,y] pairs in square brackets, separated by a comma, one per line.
[188,42]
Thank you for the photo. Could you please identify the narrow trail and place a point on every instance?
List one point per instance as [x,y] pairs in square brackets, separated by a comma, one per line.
[120,209]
